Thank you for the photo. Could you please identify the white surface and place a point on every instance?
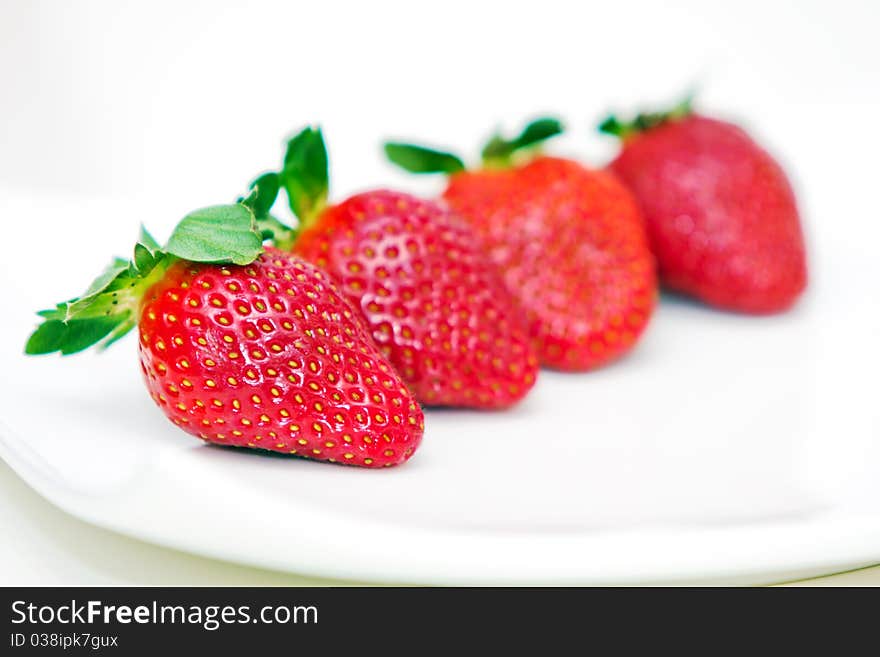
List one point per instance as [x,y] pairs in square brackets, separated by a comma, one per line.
[52,548]
[726,448]
[43,546]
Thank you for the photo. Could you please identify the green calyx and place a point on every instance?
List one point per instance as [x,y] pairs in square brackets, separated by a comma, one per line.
[420,159]
[646,120]
[221,234]
[498,153]
[263,192]
[304,176]
[109,308]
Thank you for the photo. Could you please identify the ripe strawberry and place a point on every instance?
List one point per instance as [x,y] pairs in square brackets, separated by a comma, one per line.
[264,353]
[720,212]
[435,305]
[569,241]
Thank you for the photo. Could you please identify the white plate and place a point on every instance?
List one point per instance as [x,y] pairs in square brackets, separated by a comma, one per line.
[724,449]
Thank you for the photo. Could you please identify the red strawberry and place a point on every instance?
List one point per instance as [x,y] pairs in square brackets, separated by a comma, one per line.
[720,212]
[265,353]
[569,240]
[435,305]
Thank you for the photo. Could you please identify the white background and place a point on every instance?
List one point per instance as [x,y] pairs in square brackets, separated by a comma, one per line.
[175,105]
[185,101]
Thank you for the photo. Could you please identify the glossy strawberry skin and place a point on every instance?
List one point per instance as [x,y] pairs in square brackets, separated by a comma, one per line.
[436,307]
[720,212]
[271,356]
[572,248]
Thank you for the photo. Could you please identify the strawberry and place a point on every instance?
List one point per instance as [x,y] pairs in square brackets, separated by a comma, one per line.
[244,346]
[437,308]
[720,212]
[568,239]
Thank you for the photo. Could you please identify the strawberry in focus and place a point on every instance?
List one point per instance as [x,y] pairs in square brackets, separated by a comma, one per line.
[569,241]
[720,212]
[437,308]
[245,346]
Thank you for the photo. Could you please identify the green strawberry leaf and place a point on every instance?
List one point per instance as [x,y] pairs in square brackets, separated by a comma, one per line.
[499,150]
[113,269]
[117,333]
[305,175]
[217,234]
[118,293]
[74,335]
[109,307]
[644,121]
[613,126]
[143,259]
[263,192]
[147,240]
[418,159]
[538,131]
[281,235]
[107,311]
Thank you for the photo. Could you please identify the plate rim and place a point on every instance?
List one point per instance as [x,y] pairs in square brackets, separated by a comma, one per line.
[467,557]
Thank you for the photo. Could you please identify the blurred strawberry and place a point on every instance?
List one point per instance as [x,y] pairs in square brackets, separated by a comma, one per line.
[720,212]
[569,240]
